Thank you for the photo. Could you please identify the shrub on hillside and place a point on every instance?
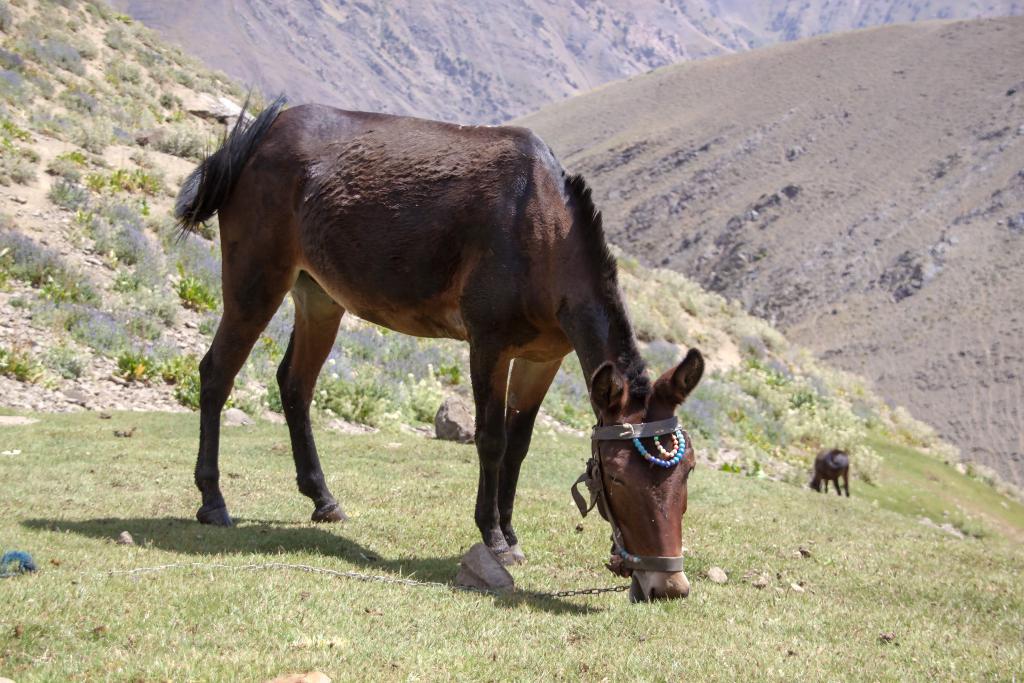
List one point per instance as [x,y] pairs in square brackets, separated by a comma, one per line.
[65,361]
[68,195]
[43,268]
[17,166]
[6,18]
[50,52]
[182,141]
[20,365]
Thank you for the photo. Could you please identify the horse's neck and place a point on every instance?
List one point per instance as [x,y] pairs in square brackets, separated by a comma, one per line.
[600,331]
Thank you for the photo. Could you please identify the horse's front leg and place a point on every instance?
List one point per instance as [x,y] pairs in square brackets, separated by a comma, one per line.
[528,384]
[488,368]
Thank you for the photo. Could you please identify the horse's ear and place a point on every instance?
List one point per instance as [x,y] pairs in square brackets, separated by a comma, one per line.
[608,391]
[676,384]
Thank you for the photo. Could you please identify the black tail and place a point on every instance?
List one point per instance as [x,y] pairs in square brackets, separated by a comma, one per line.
[207,187]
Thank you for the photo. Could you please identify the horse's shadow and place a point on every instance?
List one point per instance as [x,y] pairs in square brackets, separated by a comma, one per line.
[268,537]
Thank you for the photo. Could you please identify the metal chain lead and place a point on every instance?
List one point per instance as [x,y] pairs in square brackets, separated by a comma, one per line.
[357,576]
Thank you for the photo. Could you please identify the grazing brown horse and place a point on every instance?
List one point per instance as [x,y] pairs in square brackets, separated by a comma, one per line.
[830,466]
[434,230]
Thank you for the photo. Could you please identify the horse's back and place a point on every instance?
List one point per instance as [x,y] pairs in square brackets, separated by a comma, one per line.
[394,215]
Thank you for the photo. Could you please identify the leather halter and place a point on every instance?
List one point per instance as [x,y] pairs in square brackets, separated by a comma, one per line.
[623,562]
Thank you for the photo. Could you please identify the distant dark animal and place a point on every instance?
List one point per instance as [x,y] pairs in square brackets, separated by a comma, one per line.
[829,466]
[436,230]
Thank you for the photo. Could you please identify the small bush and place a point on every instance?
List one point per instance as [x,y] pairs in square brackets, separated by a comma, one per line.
[43,268]
[120,72]
[362,398]
[17,166]
[6,18]
[136,366]
[93,134]
[67,166]
[125,180]
[68,195]
[80,101]
[194,293]
[182,141]
[116,38]
[183,373]
[53,52]
[65,362]
[96,329]
[20,365]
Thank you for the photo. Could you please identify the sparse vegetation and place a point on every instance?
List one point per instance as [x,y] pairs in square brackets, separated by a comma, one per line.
[194,293]
[20,365]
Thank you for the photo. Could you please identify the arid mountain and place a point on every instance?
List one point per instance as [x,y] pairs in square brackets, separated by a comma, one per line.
[865,192]
[487,61]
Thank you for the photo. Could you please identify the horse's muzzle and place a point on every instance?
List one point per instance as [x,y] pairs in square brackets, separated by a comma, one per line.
[649,586]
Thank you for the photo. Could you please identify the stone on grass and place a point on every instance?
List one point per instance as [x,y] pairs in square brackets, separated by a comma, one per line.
[481,568]
[761,581]
[16,420]
[125,538]
[796,588]
[233,417]
[345,427]
[717,575]
[273,418]
[454,421]
[308,677]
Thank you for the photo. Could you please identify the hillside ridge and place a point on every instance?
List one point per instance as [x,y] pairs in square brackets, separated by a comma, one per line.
[488,61]
[857,190]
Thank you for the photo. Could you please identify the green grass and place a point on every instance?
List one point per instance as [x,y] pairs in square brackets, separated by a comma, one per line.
[920,486]
[955,606]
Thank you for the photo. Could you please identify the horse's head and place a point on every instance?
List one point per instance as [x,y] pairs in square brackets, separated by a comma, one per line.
[640,483]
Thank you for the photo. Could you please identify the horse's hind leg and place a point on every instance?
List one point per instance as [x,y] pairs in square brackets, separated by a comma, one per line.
[846,481]
[317,317]
[528,384]
[251,296]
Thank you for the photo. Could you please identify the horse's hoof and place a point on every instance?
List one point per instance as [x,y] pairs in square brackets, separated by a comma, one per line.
[329,513]
[512,556]
[217,516]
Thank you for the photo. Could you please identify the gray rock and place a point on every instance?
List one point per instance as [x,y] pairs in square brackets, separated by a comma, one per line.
[717,575]
[273,418]
[481,568]
[125,538]
[345,427]
[233,417]
[208,106]
[454,421]
[16,420]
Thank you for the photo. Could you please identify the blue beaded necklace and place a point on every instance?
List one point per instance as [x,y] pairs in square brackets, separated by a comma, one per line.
[671,458]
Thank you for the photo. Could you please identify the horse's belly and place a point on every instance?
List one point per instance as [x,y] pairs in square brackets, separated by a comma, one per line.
[436,317]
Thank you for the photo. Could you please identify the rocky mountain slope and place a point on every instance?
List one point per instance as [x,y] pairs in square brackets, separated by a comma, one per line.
[102,307]
[486,61]
[865,192]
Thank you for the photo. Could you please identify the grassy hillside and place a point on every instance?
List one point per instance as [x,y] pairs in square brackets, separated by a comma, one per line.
[104,308]
[864,192]
[954,609]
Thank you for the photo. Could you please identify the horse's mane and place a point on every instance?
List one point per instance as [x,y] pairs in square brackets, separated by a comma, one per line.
[588,220]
